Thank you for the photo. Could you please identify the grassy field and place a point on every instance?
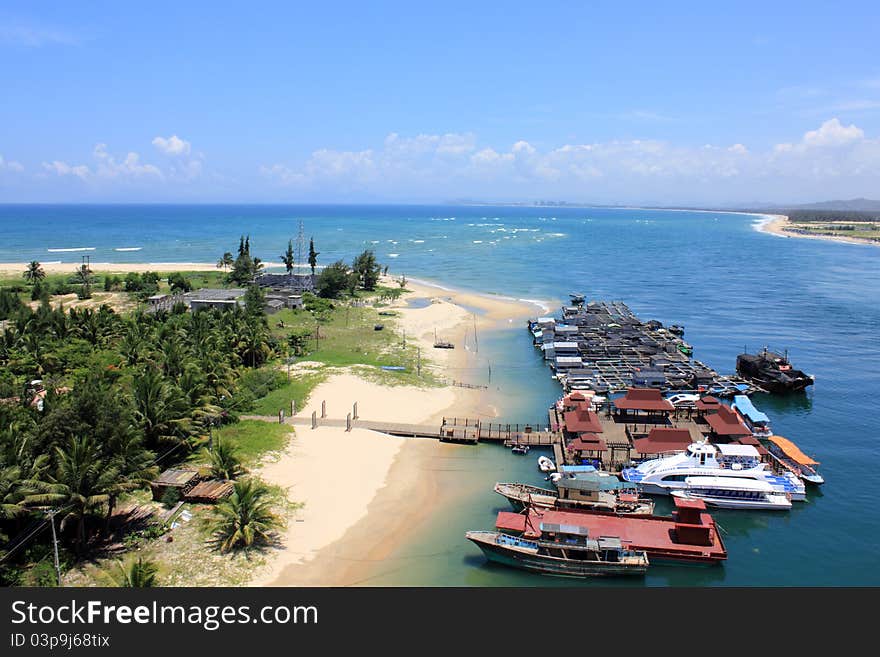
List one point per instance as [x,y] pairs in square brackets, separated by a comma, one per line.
[254,439]
[347,336]
[299,389]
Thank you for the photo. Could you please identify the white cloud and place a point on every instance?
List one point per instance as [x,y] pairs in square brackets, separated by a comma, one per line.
[833,133]
[426,165]
[173,145]
[106,167]
[10,165]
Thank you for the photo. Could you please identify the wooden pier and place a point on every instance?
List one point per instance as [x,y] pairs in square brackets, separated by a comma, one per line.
[450,430]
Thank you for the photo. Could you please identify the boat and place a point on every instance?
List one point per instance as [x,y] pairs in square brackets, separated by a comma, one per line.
[561,550]
[519,449]
[791,458]
[597,491]
[757,422]
[667,473]
[675,329]
[683,400]
[545,464]
[686,349]
[772,372]
[689,535]
[732,493]
[576,299]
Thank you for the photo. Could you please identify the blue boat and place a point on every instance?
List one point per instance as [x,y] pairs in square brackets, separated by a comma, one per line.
[754,419]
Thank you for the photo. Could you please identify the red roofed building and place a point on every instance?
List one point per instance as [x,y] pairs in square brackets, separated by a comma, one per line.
[644,400]
[587,445]
[661,440]
[726,424]
[582,420]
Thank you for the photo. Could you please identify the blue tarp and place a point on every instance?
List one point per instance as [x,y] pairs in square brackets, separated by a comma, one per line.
[744,405]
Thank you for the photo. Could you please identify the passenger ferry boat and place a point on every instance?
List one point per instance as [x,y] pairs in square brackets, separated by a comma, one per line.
[663,475]
[757,422]
[733,493]
[598,491]
[791,458]
[561,550]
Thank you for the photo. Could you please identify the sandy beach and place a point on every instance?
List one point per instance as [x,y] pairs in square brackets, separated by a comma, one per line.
[361,490]
[54,267]
[781,226]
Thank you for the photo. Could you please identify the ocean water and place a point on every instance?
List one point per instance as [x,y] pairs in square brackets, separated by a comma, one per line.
[730,286]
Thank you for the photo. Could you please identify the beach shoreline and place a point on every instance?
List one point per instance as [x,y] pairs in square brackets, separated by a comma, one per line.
[781,226]
[362,491]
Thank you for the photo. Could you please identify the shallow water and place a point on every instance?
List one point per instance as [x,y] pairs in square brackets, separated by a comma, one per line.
[727,283]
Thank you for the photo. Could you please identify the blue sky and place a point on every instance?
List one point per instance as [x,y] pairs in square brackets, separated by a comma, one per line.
[596,102]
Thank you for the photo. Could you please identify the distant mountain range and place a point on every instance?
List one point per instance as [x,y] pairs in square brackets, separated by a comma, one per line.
[852,205]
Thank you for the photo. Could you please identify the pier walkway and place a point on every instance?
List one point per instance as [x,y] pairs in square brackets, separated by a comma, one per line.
[451,429]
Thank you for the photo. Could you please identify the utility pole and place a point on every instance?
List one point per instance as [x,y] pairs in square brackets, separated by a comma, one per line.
[55,545]
[419,361]
[490,371]
[317,336]
[476,343]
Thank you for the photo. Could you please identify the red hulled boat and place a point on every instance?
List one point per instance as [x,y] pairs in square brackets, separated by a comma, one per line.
[690,535]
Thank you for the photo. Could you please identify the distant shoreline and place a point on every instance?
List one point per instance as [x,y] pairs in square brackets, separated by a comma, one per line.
[780,225]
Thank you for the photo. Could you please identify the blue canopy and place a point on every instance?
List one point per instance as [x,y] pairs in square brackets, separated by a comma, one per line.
[745,406]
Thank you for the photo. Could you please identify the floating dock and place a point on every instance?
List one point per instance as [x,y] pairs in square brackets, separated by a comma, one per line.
[603,346]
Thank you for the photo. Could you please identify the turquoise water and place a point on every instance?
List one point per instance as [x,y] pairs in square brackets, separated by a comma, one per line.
[727,283]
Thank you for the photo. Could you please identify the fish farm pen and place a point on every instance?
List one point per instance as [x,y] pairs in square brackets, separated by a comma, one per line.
[603,346]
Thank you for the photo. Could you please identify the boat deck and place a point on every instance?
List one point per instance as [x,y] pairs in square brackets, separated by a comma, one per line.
[654,534]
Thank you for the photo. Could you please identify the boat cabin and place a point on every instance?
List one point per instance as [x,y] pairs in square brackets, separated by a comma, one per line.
[592,487]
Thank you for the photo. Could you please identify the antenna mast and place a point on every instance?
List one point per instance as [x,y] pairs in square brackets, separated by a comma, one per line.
[300,245]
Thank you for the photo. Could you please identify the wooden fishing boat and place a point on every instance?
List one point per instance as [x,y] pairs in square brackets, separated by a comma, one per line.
[593,494]
[561,550]
[690,535]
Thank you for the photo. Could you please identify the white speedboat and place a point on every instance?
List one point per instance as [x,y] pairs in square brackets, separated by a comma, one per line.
[733,493]
[663,475]
[546,465]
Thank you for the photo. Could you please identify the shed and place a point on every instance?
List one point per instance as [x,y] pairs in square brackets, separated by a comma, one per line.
[726,423]
[180,479]
[210,491]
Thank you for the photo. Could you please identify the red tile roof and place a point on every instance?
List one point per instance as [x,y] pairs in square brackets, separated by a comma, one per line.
[582,420]
[707,404]
[663,439]
[726,423]
[588,442]
[643,399]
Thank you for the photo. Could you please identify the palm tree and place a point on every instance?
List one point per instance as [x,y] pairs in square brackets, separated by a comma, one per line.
[245,518]
[134,464]
[81,483]
[225,463]
[34,272]
[226,261]
[137,573]
[160,408]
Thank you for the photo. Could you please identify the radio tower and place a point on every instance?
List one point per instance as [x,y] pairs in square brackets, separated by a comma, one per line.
[300,245]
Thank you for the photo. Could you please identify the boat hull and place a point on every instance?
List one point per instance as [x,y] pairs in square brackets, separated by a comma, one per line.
[553,566]
[747,505]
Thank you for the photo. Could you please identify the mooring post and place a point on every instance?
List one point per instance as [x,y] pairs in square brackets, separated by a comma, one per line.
[355,411]
[323,409]
[314,419]
[348,422]
[281,416]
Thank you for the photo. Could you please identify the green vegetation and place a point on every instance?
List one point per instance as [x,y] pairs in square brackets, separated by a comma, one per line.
[298,390]
[245,519]
[250,440]
[137,573]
